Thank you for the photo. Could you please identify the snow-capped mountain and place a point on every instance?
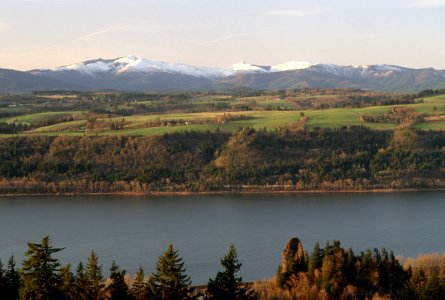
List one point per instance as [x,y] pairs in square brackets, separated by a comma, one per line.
[291,65]
[357,71]
[132,63]
[135,64]
[131,73]
[243,68]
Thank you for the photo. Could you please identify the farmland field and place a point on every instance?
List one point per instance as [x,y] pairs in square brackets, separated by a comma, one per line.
[63,115]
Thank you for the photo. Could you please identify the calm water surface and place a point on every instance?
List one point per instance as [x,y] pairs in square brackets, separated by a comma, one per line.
[136,230]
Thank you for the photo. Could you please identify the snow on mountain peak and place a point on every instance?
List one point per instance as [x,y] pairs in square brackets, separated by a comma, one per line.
[131,63]
[291,65]
[88,67]
[134,64]
[364,67]
[129,57]
[128,60]
[386,68]
[243,67]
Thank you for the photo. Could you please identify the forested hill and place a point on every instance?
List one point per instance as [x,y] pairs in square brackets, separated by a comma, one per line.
[247,160]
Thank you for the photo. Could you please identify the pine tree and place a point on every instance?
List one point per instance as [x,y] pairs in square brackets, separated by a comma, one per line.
[227,285]
[151,287]
[94,277]
[81,283]
[118,289]
[67,286]
[40,272]
[12,281]
[2,279]
[139,289]
[170,281]
[350,270]
[315,258]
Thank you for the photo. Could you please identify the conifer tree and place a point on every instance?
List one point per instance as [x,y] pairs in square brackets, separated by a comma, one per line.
[40,277]
[2,279]
[350,270]
[139,289]
[12,281]
[227,285]
[117,289]
[315,258]
[170,281]
[151,287]
[68,284]
[94,277]
[81,283]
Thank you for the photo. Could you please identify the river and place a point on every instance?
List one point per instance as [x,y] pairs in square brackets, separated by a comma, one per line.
[135,230]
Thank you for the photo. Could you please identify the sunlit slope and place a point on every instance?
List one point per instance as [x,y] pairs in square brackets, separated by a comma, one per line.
[433,108]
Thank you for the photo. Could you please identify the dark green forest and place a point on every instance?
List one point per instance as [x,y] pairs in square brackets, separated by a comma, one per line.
[42,277]
[331,272]
[354,158]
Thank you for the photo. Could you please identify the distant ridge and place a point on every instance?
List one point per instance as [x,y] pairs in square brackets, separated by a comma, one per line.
[131,73]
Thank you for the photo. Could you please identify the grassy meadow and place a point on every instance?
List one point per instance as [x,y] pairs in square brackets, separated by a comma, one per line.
[268,112]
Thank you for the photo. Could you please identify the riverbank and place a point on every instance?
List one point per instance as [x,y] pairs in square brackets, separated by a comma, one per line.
[247,161]
[234,193]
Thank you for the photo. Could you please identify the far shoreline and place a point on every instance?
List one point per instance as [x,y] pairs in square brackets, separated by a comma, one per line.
[234,193]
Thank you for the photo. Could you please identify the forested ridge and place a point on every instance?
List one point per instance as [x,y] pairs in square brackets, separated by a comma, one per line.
[354,158]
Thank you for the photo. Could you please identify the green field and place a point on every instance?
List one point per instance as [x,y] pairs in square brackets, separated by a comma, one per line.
[85,123]
[44,116]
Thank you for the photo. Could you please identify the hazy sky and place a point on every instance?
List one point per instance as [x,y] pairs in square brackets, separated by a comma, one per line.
[49,33]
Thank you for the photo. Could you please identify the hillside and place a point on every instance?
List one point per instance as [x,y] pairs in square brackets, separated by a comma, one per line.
[294,140]
[247,160]
[91,114]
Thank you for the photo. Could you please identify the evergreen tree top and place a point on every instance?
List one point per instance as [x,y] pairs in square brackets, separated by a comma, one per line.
[227,285]
[170,282]
[40,272]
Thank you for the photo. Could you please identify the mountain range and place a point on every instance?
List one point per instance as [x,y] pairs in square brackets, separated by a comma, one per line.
[132,73]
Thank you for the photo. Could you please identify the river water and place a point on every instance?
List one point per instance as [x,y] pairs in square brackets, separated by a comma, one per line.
[135,230]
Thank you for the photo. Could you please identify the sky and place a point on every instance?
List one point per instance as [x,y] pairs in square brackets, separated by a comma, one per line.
[219,33]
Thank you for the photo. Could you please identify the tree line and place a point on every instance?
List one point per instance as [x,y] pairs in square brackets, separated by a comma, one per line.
[332,272]
[41,277]
[354,158]
[329,272]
